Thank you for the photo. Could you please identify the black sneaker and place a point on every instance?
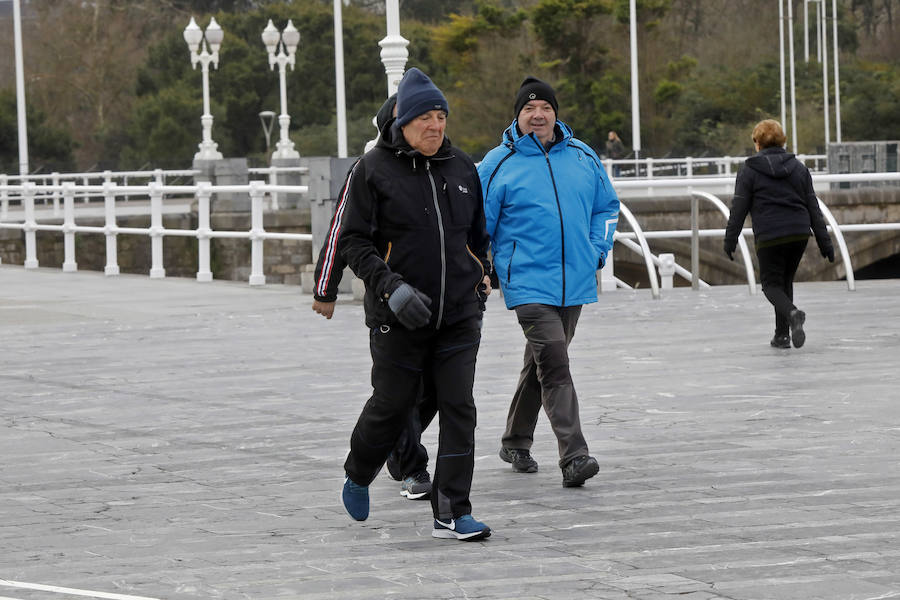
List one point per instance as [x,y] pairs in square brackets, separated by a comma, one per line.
[578,470]
[521,460]
[416,487]
[393,467]
[797,318]
[781,340]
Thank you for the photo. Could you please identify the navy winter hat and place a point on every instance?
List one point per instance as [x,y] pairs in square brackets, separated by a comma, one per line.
[535,89]
[386,111]
[417,95]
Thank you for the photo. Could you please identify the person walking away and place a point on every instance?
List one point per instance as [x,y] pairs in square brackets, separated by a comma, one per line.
[413,231]
[408,462]
[551,213]
[776,190]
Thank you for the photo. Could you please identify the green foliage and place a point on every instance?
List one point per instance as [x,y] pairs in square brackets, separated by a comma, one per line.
[170,93]
[49,147]
[872,111]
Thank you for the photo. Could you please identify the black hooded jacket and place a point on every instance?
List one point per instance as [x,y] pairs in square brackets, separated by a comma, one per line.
[777,190]
[419,220]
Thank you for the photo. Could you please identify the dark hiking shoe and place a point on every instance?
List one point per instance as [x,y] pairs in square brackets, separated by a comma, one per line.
[781,340]
[797,318]
[416,487]
[393,467]
[521,460]
[578,470]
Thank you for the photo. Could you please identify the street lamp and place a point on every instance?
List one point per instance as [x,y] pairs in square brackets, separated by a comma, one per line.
[201,44]
[267,117]
[278,42]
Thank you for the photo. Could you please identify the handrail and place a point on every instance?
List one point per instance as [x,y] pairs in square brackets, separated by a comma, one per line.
[745,251]
[839,236]
[645,249]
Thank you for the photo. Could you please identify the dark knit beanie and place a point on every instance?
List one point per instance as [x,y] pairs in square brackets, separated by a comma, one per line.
[535,89]
[385,113]
[416,95]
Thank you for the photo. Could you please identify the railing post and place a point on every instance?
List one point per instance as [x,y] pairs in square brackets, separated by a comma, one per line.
[28,227]
[256,228]
[86,180]
[650,191]
[690,166]
[607,274]
[110,228]
[157,269]
[69,264]
[273,179]
[695,241]
[4,198]
[54,178]
[203,231]
[158,176]
[666,268]
[727,165]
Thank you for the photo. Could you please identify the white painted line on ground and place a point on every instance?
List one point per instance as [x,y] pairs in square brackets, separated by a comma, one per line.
[70,591]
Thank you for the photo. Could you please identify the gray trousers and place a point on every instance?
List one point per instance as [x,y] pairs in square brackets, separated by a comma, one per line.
[546,381]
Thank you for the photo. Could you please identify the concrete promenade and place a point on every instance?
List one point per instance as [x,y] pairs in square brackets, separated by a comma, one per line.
[172,440]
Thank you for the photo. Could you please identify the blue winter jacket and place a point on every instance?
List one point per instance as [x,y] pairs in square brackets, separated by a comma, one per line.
[551,216]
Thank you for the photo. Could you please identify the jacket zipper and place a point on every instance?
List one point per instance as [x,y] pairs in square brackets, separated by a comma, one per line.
[562,228]
[509,268]
[440,222]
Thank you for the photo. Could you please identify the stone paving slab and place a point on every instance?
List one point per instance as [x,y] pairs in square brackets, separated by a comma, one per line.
[173,440]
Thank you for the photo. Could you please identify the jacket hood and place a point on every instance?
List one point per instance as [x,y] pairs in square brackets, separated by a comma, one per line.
[774,162]
[528,143]
[391,139]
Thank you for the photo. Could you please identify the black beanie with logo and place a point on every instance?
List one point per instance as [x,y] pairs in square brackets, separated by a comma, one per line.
[535,89]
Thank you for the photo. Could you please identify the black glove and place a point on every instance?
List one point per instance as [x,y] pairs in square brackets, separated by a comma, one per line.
[411,306]
[828,253]
[729,250]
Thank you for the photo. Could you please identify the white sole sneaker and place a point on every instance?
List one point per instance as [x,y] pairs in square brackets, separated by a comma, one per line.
[411,496]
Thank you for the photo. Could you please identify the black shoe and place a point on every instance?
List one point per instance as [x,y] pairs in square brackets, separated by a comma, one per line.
[521,460]
[393,467]
[781,340]
[797,318]
[578,470]
[417,486]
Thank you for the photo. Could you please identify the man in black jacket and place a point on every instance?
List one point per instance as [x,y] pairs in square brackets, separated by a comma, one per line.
[408,462]
[777,190]
[413,231]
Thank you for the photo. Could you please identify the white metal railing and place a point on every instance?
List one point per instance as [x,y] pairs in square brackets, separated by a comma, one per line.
[836,229]
[111,191]
[47,194]
[635,240]
[693,166]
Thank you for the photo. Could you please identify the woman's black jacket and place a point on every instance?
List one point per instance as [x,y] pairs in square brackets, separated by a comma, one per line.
[418,220]
[776,189]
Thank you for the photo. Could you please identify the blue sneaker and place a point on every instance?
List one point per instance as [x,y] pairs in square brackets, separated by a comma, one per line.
[356,499]
[464,528]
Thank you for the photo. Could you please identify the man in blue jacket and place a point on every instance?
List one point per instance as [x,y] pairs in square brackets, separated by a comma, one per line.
[551,213]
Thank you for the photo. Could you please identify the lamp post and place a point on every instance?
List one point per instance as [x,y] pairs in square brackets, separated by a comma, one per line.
[393,47]
[204,48]
[277,42]
[20,89]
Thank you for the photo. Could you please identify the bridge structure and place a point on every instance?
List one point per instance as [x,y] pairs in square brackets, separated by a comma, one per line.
[682,217]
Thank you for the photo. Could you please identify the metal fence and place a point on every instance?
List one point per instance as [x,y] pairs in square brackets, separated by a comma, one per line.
[636,240]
